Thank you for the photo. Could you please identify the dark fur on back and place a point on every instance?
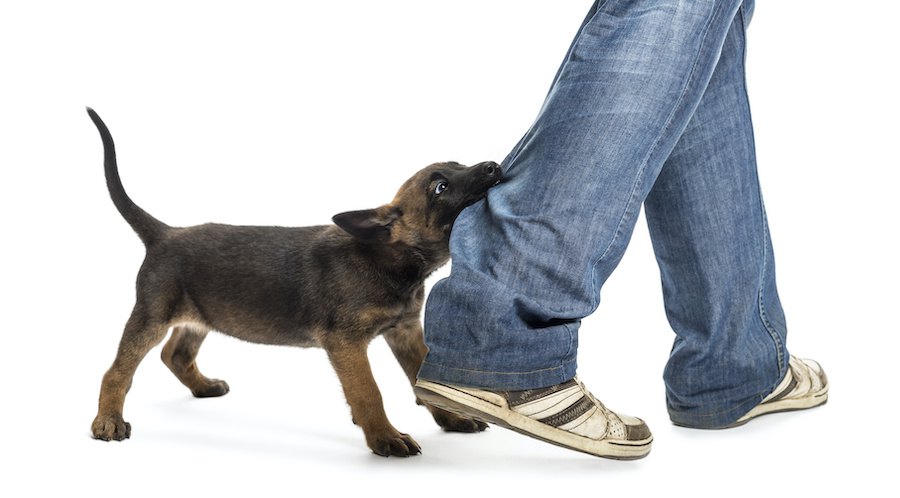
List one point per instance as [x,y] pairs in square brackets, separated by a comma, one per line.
[275,279]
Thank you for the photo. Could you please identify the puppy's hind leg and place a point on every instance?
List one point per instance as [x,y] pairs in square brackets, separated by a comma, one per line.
[180,353]
[141,334]
[408,345]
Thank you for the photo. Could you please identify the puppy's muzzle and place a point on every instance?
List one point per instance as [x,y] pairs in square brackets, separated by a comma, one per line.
[490,171]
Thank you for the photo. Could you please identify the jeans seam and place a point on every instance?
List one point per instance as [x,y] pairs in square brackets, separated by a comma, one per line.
[572,351]
[764,317]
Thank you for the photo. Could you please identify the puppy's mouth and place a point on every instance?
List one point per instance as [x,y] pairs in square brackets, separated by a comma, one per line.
[490,175]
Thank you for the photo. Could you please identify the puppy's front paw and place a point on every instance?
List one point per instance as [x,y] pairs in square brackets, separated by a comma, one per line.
[452,422]
[110,427]
[211,389]
[393,443]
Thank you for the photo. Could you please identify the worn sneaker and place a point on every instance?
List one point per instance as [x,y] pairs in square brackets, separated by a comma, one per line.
[804,386]
[566,415]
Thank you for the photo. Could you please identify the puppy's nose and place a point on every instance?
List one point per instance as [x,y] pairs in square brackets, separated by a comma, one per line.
[490,168]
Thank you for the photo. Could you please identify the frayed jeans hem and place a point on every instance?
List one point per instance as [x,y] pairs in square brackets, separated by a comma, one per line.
[720,418]
[497,381]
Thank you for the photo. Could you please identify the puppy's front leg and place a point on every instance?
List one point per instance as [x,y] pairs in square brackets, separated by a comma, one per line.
[408,345]
[351,363]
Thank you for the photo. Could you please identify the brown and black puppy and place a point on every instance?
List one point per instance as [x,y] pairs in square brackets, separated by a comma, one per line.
[335,286]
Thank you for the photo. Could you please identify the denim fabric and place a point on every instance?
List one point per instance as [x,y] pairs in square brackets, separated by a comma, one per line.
[649,106]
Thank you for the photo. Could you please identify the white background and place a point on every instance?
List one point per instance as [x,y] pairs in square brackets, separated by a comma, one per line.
[289,112]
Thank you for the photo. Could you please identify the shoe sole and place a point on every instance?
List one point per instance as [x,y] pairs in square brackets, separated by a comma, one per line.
[465,404]
[783,405]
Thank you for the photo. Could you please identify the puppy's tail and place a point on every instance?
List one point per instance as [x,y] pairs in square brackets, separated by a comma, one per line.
[148,228]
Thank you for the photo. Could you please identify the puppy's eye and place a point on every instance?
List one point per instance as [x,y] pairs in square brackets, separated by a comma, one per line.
[440,187]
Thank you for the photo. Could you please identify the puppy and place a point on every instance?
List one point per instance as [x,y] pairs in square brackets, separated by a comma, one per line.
[336,287]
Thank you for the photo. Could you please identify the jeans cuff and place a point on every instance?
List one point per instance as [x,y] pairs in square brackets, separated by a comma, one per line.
[715,418]
[498,381]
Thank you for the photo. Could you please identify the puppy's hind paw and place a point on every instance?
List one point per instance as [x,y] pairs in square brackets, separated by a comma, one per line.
[211,389]
[110,427]
[452,422]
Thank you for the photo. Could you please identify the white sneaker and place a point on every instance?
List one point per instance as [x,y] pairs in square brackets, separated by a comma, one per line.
[804,386]
[566,415]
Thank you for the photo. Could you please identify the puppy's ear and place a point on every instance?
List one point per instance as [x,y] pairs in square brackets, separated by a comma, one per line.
[371,225]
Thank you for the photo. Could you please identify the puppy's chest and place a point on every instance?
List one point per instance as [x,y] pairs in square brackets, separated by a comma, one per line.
[375,319]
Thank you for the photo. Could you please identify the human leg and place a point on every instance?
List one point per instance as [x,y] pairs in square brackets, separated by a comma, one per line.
[708,226]
[529,262]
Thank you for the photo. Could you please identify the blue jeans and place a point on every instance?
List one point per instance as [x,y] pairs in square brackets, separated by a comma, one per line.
[649,107]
